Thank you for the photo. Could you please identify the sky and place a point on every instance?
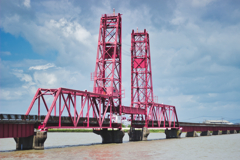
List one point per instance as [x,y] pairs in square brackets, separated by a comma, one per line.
[195,51]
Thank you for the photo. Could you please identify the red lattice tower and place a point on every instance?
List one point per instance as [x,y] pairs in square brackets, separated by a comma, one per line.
[141,73]
[107,75]
[144,111]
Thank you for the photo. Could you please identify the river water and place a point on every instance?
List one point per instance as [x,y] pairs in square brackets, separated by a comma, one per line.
[88,146]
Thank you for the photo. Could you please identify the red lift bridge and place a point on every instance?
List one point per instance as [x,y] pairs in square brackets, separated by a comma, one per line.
[103,107]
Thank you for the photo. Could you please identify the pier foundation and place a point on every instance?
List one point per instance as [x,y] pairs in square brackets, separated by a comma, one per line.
[226,132]
[138,135]
[205,133]
[110,136]
[24,143]
[35,141]
[173,133]
[233,131]
[218,132]
[192,134]
[39,139]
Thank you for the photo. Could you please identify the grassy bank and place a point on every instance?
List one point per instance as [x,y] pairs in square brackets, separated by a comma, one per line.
[157,130]
[150,130]
[90,130]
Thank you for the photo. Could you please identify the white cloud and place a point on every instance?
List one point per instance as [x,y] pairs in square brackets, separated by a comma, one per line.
[46,79]
[42,67]
[179,19]
[27,3]
[54,31]
[24,77]
[5,95]
[194,48]
[201,3]
[5,53]
[59,77]
[71,30]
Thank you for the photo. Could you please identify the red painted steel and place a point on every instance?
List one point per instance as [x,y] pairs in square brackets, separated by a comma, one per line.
[104,104]
[100,109]
[141,73]
[143,106]
[9,130]
[108,69]
[12,125]
[103,107]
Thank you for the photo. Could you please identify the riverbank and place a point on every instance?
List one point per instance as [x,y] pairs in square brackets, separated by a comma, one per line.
[91,130]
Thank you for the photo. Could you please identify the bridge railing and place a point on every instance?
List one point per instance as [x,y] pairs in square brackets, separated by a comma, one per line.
[19,117]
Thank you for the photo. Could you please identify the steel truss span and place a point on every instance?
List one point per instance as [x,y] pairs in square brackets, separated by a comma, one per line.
[144,107]
[103,105]
[100,110]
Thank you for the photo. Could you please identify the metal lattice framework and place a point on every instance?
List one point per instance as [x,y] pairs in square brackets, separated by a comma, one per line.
[141,73]
[84,109]
[103,105]
[107,75]
[143,108]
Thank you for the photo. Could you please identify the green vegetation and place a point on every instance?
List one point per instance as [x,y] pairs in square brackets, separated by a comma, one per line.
[156,130]
[150,130]
[90,130]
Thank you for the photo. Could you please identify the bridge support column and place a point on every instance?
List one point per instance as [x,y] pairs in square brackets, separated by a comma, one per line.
[35,141]
[24,143]
[138,135]
[173,133]
[39,139]
[110,136]
[218,132]
[233,131]
[226,132]
[192,134]
[205,133]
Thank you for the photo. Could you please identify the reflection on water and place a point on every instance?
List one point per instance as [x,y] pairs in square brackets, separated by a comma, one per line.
[88,146]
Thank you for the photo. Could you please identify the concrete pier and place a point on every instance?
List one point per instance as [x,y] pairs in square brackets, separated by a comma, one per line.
[24,143]
[110,136]
[39,139]
[216,132]
[192,134]
[138,135]
[233,131]
[205,133]
[226,132]
[35,141]
[173,133]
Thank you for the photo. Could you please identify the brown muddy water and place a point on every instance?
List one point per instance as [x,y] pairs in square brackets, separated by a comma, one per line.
[88,146]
